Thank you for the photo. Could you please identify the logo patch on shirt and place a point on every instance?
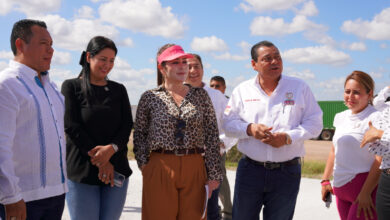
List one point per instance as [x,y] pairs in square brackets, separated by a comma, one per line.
[227,109]
[289,99]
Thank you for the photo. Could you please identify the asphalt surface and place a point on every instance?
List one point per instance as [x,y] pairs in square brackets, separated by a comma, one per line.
[309,204]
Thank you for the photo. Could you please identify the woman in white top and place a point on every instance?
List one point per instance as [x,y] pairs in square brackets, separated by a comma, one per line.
[355,170]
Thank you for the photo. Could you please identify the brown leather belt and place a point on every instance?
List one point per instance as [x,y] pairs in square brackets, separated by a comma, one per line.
[274,165]
[180,152]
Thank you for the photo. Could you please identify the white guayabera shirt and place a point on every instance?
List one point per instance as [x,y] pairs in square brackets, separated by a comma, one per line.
[32,138]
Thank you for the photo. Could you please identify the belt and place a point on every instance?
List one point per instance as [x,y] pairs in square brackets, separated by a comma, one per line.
[180,152]
[274,165]
[386,171]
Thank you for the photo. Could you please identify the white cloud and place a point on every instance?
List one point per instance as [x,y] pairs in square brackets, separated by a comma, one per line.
[384,46]
[128,42]
[357,46]
[206,65]
[268,5]
[7,55]
[304,74]
[214,72]
[3,65]
[333,85]
[318,55]
[59,75]
[61,58]
[29,7]
[267,26]
[228,56]
[5,7]
[245,47]
[376,75]
[147,16]
[319,35]
[208,44]
[308,9]
[85,12]
[75,34]
[376,29]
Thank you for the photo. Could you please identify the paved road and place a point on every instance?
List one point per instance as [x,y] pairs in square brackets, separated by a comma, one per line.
[309,205]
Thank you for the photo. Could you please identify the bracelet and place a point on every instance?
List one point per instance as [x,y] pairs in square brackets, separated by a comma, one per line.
[325,182]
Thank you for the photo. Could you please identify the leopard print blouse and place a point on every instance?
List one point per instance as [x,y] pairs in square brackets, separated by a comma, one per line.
[156,124]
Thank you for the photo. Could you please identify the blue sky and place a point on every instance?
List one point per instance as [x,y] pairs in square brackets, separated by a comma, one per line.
[320,41]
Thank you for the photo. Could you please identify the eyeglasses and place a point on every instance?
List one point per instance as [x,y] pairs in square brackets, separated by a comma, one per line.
[179,132]
[269,59]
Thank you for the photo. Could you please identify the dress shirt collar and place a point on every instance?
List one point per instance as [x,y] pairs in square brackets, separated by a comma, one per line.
[28,72]
[256,83]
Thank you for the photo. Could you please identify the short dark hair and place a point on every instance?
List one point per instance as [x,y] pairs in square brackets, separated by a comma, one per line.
[218,79]
[263,43]
[22,30]
[198,57]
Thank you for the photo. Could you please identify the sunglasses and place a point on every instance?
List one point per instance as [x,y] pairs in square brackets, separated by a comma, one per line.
[179,132]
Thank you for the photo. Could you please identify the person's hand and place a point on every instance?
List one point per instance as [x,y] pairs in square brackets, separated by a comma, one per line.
[106,174]
[259,131]
[366,205]
[16,211]
[324,190]
[275,140]
[371,135]
[100,155]
[212,184]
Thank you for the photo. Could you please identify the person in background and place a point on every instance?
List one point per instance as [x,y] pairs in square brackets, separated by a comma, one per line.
[272,115]
[219,102]
[98,123]
[355,171]
[175,125]
[218,83]
[32,138]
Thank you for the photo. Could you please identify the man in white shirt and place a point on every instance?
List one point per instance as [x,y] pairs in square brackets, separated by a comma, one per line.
[32,142]
[219,101]
[218,83]
[271,114]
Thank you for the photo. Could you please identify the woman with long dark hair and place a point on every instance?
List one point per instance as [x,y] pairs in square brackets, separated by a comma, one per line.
[98,123]
[175,126]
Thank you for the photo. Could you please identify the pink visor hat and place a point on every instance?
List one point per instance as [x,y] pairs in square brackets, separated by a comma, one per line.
[172,53]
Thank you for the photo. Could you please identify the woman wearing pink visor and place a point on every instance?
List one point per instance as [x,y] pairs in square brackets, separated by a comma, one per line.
[175,126]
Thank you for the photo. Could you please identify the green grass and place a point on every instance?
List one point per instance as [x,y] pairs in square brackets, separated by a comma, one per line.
[130,154]
[313,169]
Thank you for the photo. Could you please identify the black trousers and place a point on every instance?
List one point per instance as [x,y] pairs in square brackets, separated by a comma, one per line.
[44,209]
[383,197]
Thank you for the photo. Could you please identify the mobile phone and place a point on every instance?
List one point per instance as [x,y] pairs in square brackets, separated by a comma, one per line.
[328,199]
[118,179]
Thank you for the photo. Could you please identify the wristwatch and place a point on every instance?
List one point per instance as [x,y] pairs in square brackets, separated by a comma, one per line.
[115,147]
[288,139]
